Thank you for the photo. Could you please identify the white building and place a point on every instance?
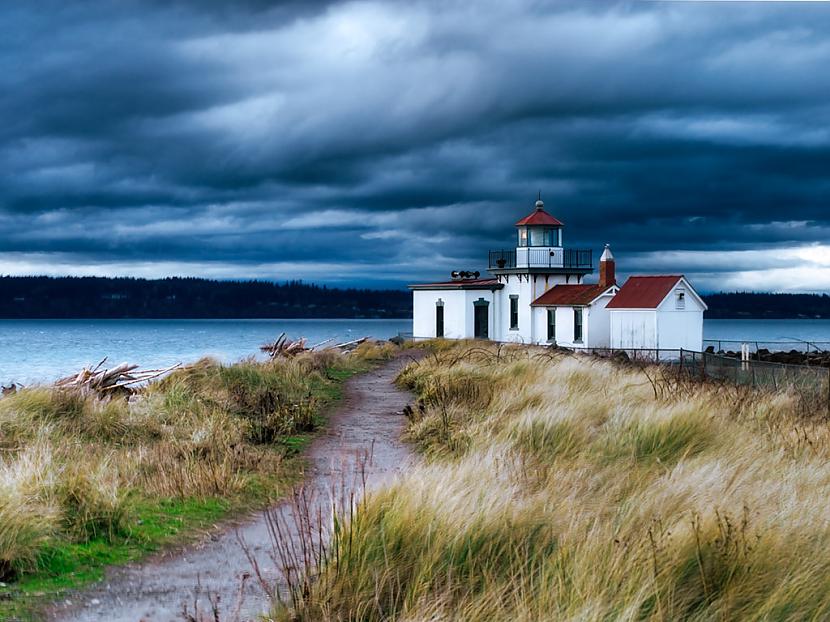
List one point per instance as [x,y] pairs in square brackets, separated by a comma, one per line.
[536,294]
[662,312]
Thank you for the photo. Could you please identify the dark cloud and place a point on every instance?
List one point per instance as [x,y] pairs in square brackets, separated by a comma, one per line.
[387,142]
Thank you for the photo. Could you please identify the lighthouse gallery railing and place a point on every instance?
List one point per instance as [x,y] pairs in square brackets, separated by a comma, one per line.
[530,257]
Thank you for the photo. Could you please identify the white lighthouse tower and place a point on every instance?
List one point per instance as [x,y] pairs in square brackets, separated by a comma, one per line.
[539,261]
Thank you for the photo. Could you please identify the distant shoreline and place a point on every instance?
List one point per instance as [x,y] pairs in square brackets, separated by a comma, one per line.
[707,316]
[174,298]
[205,319]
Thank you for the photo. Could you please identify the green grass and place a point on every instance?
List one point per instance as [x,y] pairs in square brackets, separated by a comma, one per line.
[66,565]
[151,522]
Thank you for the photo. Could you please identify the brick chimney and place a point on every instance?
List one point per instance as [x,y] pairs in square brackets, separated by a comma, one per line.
[607,268]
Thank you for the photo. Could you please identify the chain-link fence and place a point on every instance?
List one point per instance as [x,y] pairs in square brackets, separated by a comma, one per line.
[811,382]
[799,345]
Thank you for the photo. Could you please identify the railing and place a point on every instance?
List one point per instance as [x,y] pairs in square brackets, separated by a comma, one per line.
[529,257]
[810,382]
[733,345]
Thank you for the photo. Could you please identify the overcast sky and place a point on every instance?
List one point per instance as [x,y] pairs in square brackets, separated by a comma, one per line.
[380,143]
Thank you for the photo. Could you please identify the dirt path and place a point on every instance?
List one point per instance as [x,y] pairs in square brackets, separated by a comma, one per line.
[367,422]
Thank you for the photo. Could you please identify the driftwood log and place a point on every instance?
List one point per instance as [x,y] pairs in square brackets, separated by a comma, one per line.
[350,345]
[286,348]
[123,378]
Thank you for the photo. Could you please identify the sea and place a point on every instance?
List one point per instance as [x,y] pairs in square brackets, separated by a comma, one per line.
[41,351]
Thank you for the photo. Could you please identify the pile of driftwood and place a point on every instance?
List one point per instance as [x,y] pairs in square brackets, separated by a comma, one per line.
[284,347]
[121,378]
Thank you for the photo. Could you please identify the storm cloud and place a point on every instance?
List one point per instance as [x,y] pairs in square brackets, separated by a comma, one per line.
[379,143]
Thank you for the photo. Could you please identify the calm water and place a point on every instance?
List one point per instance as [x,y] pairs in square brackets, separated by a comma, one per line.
[796,331]
[43,350]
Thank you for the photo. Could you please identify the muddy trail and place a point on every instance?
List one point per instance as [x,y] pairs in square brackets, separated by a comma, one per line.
[361,442]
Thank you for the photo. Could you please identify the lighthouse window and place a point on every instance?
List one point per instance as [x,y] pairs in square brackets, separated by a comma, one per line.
[577,324]
[523,237]
[552,325]
[514,312]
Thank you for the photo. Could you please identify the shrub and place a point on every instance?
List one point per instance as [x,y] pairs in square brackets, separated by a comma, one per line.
[272,405]
[24,528]
[27,521]
[91,502]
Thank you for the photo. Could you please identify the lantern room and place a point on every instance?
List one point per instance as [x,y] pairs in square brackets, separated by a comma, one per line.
[540,248]
[539,229]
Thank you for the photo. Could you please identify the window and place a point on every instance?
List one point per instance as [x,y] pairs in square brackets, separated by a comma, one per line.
[552,325]
[551,237]
[577,325]
[680,300]
[523,236]
[439,318]
[514,312]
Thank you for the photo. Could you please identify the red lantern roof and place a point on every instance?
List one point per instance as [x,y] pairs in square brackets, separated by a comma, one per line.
[539,217]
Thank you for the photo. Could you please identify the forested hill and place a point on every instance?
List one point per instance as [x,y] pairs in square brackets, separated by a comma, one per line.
[92,297]
[767,306]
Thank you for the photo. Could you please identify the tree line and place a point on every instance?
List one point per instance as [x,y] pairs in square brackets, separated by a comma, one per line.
[105,298]
[767,306]
[43,297]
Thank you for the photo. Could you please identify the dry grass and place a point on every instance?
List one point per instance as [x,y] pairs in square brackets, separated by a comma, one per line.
[72,467]
[566,488]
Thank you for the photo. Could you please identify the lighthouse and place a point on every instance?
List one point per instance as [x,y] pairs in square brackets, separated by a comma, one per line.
[539,261]
[539,292]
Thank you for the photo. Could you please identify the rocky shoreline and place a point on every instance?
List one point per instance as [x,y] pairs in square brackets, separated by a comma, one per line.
[820,358]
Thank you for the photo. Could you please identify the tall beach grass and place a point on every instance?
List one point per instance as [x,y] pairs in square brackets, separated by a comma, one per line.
[76,469]
[560,487]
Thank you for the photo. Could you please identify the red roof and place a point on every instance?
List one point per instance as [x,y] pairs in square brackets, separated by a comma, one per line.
[460,284]
[567,295]
[643,292]
[539,217]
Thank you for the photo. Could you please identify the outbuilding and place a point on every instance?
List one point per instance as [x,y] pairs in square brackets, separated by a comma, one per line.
[657,312]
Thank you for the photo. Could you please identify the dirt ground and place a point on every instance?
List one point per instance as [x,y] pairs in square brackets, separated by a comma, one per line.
[361,442]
